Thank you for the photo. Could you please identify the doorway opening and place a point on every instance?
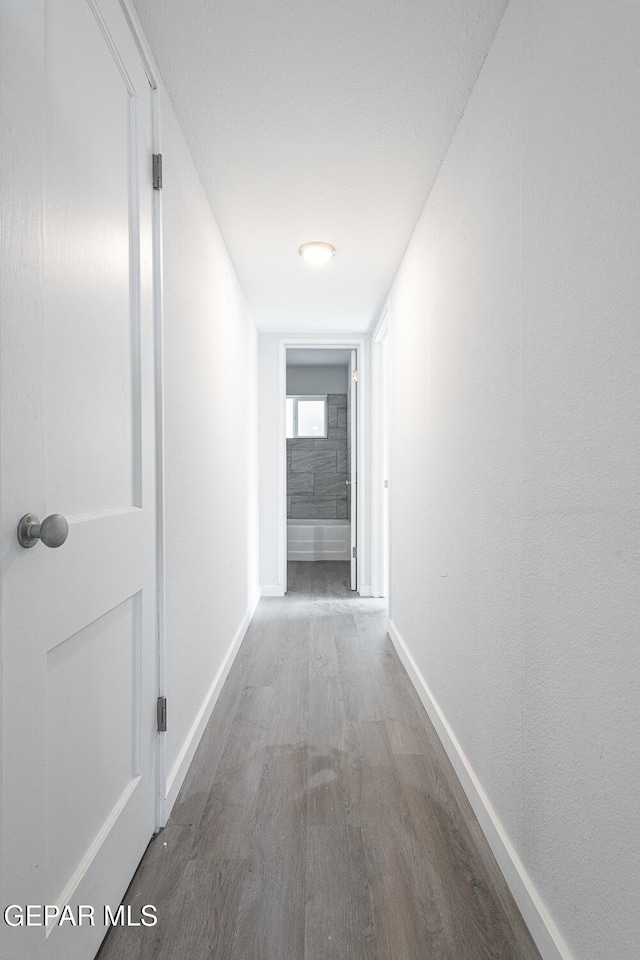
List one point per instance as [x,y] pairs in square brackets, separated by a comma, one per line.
[321,479]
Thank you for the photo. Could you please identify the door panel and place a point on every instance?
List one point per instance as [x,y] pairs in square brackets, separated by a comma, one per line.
[77,428]
[91,301]
[104,655]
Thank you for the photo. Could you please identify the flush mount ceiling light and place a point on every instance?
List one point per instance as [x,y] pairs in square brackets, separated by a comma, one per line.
[317,252]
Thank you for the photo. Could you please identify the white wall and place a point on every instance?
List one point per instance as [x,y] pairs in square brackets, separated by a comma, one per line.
[515,444]
[315,381]
[269,446]
[211,467]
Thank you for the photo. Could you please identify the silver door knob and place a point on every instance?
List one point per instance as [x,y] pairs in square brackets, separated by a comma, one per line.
[53,531]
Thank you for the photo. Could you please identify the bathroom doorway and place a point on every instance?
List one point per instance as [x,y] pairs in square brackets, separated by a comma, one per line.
[322,487]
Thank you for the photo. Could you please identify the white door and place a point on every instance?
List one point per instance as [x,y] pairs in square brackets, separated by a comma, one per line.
[77,427]
[352,464]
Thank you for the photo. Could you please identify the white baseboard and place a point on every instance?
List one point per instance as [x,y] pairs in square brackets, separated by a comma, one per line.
[179,769]
[271,590]
[541,926]
[365,590]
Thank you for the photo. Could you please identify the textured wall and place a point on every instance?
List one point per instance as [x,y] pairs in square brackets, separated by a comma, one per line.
[317,469]
[515,444]
[269,408]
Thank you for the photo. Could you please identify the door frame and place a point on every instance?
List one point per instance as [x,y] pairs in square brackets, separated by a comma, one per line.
[353,406]
[152,73]
[380,538]
[323,343]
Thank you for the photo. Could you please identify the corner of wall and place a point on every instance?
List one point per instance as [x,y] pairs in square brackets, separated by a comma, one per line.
[535,914]
[181,765]
[271,590]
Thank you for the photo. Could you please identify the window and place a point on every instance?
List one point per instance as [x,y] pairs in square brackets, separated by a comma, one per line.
[306,417]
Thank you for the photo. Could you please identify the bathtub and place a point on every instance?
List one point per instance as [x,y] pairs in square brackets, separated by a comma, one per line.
[318,539]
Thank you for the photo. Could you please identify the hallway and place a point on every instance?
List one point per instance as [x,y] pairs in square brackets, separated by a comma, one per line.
[320,817]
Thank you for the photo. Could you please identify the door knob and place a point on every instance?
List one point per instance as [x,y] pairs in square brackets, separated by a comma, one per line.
[53,530]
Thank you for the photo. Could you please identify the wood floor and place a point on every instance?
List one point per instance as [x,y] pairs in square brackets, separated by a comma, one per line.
[321,819]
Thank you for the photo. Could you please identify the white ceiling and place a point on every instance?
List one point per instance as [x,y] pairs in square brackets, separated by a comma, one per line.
[318,120]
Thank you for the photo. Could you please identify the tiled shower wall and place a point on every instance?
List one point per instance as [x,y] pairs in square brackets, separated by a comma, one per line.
[317,469]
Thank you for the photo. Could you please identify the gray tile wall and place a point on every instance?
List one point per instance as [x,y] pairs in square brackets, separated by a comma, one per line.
[317,469]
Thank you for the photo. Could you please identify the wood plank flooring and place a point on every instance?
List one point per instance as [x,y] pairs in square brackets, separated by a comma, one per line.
[321,818]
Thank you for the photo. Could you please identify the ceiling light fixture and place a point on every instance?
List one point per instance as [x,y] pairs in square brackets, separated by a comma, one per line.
[317,252]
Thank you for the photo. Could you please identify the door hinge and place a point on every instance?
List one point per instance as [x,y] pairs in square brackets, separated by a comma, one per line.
[355,552]
[162,714]
[355,376]
[157,171]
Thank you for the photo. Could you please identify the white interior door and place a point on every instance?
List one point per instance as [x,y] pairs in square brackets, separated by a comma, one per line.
[352,465]
[77,426]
